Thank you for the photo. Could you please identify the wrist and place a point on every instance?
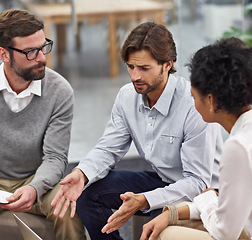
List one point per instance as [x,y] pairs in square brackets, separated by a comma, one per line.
[81,174]
[143,203]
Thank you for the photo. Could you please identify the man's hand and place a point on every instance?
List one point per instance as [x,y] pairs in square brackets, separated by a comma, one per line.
[21,200]
[71,188]
[152,229]
[131,204]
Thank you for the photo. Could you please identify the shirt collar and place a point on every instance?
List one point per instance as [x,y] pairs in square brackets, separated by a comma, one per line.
[33,88]
[164,101]
[241,121]
[2,78]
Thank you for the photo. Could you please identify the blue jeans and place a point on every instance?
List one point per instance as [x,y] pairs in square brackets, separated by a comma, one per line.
[95,204]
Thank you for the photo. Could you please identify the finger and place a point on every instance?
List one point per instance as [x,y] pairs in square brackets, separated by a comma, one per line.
[11,198]
[105,228]
[111,226]
[58,206]
[147,229]
[57,197]
[64,208]
[144,235]
[153,234]
[108,229]
[115,215]
[73,209]
[16,195]
[111,230]
[14,205]
[4,205]
[17,207]
[115,224]
[21,209]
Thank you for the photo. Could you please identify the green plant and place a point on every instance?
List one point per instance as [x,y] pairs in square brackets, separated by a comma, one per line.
[246,35]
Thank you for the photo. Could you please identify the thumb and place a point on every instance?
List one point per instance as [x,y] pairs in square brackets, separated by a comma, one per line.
[14,196]
[66,180]
[123,196]
[126,196]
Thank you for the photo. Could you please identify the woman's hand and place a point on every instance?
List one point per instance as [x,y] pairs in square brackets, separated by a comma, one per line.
[152,229]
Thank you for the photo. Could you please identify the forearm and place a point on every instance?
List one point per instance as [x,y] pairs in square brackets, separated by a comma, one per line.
[183,212]
[183,190]
[47,176]
[101,159]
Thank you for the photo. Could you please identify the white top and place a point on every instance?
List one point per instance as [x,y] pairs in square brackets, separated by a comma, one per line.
[226,216]
[17,102]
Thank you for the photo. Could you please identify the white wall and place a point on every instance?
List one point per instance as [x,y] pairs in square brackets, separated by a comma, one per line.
[219,18]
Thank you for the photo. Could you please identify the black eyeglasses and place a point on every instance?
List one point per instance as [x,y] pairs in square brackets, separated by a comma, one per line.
[33,53]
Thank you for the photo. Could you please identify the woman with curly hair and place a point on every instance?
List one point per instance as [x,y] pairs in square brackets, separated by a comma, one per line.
[221,84]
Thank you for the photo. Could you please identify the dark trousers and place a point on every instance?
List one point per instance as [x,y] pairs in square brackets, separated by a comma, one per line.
[95,204]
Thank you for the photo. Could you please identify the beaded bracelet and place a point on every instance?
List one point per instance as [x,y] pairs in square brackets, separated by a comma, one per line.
[173,220]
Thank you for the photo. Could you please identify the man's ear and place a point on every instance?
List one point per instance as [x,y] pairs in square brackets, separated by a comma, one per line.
[168,65]
[4,55]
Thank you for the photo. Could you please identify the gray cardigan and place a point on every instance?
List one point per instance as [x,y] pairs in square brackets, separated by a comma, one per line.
[36,140]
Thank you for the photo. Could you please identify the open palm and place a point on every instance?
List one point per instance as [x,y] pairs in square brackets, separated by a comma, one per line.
[71,188]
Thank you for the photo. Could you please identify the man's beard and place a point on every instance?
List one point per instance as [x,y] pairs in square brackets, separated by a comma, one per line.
[155,84]
[28,74]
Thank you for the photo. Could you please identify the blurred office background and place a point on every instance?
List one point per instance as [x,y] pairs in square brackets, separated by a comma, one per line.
[85,61]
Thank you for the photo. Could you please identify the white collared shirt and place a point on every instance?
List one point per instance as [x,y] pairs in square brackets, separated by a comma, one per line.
[17,102]
[226,216]
[171,136]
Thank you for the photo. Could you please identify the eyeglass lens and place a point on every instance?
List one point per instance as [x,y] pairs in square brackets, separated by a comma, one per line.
[34,53]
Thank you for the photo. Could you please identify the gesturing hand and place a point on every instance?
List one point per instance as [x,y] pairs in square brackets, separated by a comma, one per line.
[131,204]
[71,188]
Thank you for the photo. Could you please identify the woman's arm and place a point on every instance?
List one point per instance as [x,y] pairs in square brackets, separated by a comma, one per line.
[152,229]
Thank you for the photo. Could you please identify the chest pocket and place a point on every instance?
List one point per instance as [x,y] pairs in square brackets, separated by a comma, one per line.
[169,148]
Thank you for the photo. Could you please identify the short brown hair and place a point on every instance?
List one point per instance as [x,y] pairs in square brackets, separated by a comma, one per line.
[153,37]
[17,23]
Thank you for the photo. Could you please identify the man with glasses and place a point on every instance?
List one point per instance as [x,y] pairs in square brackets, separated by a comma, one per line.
[33,53]
[36,106]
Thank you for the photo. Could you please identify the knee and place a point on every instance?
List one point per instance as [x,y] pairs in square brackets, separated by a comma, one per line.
[85,198]
[91,194]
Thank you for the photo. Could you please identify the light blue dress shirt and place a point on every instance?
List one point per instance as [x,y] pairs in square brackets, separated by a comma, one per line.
[182,149]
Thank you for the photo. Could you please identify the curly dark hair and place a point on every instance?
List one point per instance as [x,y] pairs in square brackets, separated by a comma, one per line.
[153,37]
[224,69]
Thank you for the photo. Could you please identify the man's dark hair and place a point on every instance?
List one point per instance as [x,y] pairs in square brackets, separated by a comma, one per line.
[224,69]
[17,23]
[152,37]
